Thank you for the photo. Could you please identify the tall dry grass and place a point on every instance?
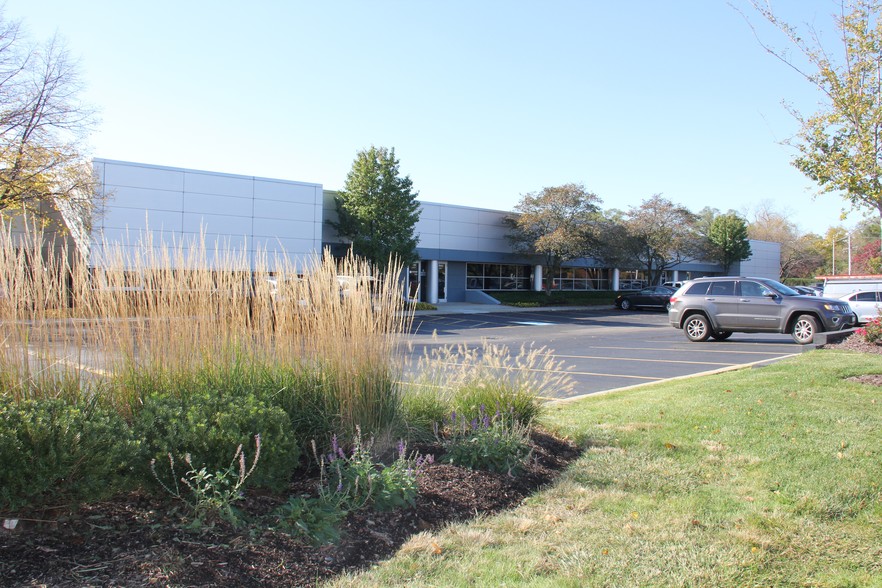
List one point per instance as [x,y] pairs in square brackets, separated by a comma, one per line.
[155,318]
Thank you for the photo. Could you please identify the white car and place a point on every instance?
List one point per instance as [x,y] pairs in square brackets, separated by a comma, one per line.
[866,304]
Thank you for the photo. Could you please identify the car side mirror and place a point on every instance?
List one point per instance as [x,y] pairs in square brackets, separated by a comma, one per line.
[770,294]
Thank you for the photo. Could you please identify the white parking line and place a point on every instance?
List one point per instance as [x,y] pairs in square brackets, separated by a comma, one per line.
[639,359]
[789,351]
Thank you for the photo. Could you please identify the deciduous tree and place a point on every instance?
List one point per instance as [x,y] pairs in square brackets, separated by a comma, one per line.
[802,255]
[840,145]
[654,237]
[727,240]
[43,126]
[558,223]
[378,210]
[867,260]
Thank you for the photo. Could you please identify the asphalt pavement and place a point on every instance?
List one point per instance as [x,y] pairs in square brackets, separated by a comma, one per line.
[600,348]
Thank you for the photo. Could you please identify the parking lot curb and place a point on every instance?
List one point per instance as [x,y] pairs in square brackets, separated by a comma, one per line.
[832,336]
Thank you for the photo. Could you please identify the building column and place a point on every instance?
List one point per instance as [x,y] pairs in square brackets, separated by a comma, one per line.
[537,278]
[676,276]
[432,294]
[615,284]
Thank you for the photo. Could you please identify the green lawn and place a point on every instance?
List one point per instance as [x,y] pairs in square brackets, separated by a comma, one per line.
[760,477]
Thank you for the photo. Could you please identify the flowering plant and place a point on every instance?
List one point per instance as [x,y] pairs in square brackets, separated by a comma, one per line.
[494,443]
[355,475]
[872,331]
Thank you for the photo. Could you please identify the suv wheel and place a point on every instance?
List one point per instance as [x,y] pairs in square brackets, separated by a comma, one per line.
[721,335]
[804,329]
[697,328]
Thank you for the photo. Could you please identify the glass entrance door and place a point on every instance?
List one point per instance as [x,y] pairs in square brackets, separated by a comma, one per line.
[442,281]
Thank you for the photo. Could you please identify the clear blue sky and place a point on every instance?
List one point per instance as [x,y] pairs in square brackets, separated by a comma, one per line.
[483,101]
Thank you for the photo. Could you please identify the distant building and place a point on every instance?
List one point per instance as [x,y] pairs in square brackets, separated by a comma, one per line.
[463,250]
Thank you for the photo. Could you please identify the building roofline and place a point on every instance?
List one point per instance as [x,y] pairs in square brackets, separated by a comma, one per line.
[202,171]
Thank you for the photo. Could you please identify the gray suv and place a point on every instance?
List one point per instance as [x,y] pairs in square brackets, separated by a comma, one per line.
[718,307]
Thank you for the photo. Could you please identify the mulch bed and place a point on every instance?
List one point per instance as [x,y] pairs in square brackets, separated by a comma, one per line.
[138,540]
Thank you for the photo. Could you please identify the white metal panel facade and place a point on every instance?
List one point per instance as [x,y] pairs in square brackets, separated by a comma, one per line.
[231,214]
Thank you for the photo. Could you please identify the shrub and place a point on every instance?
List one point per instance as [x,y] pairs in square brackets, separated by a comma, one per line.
[510,402]
[489,375]
[872,331]
[315,519]
[496,444]
[363,482]
[55,452]
[422,410]
[207,424]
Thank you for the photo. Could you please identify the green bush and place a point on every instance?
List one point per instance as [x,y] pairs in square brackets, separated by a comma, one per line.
[209,426]
[315,519]
[487,442]
[55,452]
[557,298]
[421,411]
[511,402]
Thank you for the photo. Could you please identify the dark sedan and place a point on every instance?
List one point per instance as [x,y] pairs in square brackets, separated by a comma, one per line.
[654,297]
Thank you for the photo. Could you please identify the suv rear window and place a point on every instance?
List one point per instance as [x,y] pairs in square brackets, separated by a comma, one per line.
[698,289]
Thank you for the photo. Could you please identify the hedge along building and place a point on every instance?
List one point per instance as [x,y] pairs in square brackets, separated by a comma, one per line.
[463,251]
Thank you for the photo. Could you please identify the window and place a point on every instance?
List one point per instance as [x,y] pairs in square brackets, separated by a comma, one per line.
[497,276]
[722,289]
[698,289]
[865,297]
[584,278]
[752,289]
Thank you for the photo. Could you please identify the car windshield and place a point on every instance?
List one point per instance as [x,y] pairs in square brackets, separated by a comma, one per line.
[781,288]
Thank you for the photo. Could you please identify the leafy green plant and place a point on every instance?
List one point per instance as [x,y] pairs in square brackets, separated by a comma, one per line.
[206,424]
[421,410]
[54,452]
[210,494]
[315,519]
[496,444]
[357,476]
[510,402]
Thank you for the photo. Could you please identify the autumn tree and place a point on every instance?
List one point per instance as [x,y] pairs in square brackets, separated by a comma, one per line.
[655,237]
[43,125]
[727,240]
[557,223]
[377,209]
[802,255]
[840,145]
[867,259]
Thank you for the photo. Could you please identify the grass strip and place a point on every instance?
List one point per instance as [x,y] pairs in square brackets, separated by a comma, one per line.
[761,477]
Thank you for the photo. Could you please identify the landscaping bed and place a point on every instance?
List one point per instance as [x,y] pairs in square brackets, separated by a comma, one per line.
[136,540]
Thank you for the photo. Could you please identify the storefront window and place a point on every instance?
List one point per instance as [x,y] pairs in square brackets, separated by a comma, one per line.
[582,278]
[496,276]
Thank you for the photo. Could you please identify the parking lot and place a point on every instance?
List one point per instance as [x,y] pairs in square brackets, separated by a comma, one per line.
[603,348]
